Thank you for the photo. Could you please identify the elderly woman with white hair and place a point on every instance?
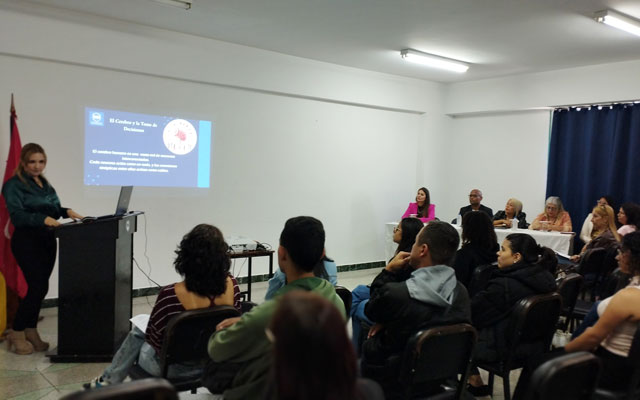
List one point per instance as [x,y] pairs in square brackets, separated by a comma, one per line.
[513,209]
[554,217]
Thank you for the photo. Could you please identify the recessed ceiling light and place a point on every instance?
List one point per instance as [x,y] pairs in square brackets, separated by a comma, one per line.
[620,21]
[434,61]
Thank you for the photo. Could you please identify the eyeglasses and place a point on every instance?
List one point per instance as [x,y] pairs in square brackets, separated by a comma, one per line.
[474,195]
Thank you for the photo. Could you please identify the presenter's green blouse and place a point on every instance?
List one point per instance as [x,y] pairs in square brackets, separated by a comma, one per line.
[29,204]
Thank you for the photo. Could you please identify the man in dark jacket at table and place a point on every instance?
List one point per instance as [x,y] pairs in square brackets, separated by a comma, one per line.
[415,291]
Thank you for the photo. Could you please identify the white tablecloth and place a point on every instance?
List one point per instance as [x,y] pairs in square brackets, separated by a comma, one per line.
[559,242]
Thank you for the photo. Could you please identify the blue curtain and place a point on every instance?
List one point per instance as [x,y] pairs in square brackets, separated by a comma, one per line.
[594,152]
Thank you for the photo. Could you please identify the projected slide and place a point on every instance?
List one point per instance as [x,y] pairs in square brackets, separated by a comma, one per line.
[123,148]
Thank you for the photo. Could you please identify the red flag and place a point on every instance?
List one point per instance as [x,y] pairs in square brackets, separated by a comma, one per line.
[8,265]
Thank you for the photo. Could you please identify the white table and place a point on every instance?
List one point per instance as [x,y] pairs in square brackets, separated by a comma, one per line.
[559,242]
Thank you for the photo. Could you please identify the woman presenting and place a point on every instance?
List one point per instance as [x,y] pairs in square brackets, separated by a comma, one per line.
[33,207]
[422,208]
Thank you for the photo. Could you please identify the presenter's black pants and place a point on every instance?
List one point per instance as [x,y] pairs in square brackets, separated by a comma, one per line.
[35,251]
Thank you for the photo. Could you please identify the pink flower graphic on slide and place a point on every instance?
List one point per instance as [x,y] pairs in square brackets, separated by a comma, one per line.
[180,136]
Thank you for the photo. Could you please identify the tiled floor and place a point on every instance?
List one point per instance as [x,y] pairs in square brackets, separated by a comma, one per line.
[34,377]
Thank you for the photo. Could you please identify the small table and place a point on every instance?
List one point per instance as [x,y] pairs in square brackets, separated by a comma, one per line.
[250,255]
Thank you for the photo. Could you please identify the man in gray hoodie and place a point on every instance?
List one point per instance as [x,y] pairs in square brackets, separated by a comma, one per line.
[415,291]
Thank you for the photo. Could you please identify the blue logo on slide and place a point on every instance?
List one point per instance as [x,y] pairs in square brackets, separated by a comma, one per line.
[96,118]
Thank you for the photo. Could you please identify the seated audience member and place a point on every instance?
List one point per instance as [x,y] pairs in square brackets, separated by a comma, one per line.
[402,304]
[603,220]
[475,198]
[554,217]
[325,269]
[523,271]
[513,209]
[203,261]
[422,208]
[479,246]
[405,236]
[629,218]
[240,343]
[305,323]
[611,336]
[587,233]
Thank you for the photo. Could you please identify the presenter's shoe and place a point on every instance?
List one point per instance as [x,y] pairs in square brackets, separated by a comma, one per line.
[96,383]
[33,337]
[18,343]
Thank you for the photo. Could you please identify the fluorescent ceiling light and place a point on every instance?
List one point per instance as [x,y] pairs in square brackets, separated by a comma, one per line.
[434,61]
[186,4]
[620,21]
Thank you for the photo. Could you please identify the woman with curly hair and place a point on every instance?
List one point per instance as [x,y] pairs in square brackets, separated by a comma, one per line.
[203,261]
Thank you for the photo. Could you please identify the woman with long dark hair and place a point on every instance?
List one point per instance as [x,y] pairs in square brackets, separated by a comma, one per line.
[405,235]
[479,246]
[422,208]
[306,323]
[523,270]
[629,218]
[202,260]
[34,208]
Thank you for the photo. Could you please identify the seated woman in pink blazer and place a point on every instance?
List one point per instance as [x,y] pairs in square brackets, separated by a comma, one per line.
[422,208]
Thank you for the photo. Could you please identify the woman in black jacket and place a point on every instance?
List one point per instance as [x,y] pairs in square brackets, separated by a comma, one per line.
[523,271]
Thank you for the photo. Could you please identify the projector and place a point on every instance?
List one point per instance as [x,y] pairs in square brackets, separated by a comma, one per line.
[238,244]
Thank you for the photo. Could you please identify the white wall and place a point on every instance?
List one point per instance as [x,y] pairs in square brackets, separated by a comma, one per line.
[301,138]
[504,155]
[499,128]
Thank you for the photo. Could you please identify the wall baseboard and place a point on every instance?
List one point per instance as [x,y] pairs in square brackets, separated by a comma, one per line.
[151,291]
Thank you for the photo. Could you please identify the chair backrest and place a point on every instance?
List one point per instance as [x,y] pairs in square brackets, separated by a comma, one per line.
[141,389]
[187,335]
[480,278]
[532,325]
[437,354]
[569,289]
[613,283]
[572,376]
[591,260]
[345,295]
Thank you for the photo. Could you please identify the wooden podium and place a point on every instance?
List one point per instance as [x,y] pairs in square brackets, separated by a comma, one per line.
[94,288]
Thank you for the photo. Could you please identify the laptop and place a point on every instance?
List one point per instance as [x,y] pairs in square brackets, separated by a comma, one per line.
[121,207]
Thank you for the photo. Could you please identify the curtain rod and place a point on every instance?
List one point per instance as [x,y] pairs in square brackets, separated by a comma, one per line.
[605,104]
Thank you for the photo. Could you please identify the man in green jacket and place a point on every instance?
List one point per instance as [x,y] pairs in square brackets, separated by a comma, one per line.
[242,341]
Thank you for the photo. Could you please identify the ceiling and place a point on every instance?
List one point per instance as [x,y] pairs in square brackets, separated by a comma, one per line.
[498,37]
